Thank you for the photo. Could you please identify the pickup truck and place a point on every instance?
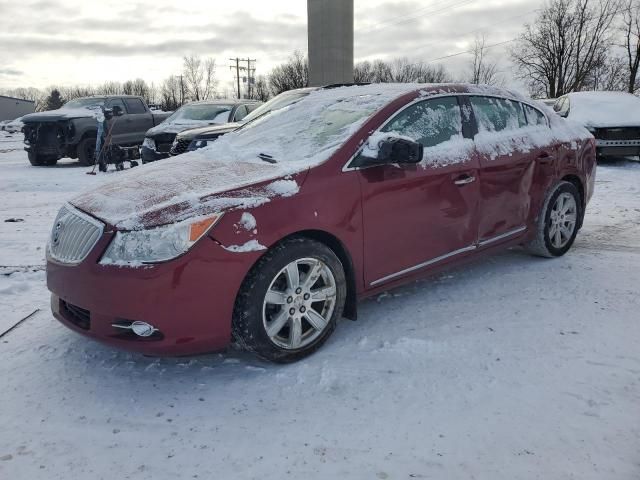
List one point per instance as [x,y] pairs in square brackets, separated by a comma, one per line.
[71,130]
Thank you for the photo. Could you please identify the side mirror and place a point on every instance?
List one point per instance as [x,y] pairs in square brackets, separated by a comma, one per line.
[400,150]
[117,111]
[392,150]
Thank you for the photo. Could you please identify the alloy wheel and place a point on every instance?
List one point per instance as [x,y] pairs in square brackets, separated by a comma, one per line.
[299,303]
[562,220]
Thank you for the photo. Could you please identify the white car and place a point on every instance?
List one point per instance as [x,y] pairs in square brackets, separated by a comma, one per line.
[14,126]
[613,118]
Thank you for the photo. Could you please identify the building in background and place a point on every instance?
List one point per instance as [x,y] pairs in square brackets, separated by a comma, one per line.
[330,37]
[12,108]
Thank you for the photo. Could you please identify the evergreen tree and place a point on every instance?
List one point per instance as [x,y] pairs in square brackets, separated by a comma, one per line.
[54,100]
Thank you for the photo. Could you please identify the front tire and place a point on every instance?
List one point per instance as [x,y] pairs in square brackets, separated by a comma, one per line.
[558,222]
[87,152]
[290,302]
[39,160]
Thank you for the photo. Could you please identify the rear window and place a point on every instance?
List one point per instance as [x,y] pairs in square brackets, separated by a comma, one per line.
[496,114]
[534,116]
[135,105]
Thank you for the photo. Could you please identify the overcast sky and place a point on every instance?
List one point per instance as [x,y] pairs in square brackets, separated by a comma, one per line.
[64,42]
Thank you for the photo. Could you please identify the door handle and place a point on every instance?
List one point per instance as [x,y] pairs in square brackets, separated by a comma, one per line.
[545,158]
[465,180]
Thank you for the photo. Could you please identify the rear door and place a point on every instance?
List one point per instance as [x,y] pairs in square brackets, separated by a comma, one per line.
[420,215]
[507,168]
[138,120]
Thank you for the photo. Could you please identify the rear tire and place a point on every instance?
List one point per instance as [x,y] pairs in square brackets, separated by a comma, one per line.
[87,151]
[289,304]
[558,222]
[39,160]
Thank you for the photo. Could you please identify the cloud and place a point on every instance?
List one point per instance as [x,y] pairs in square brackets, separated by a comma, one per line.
[10,72]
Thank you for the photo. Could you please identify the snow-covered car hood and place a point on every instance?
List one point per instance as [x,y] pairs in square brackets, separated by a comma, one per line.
[179,126]
[60,114]
[210,130]
[175,190]
[604,109]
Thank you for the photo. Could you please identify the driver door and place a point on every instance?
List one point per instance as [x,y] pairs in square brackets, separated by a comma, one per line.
[421,215]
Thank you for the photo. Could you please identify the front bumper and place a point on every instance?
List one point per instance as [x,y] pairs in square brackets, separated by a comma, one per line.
[150,155]
[188,299]
[617,148]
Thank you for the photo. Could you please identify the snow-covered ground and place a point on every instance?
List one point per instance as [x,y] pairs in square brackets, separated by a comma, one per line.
[512,368]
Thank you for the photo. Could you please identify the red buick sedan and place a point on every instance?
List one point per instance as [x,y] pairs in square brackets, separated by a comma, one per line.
[272,233]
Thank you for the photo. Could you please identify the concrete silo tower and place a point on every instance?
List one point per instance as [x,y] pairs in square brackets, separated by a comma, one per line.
[330,33]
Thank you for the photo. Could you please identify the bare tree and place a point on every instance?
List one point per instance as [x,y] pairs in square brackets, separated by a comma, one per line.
[294,73]
[260,89]
[567,41]
[631,41]
[483,70]
[399,70]
[170,94]
[199,77]
[611,75]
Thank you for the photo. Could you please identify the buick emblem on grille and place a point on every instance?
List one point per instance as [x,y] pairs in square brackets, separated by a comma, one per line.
[55,238]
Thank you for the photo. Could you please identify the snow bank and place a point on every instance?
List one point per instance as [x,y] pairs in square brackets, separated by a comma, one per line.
[604,109]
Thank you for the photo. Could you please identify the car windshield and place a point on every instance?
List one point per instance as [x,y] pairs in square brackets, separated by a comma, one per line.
[308,131]
[215,113]
[84,102]
[280,101]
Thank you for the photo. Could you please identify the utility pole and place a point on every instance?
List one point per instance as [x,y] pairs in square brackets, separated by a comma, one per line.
[181,91]
[249,69]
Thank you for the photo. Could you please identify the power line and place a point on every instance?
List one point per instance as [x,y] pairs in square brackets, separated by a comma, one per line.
[250,72]
[470,51]
[411,17]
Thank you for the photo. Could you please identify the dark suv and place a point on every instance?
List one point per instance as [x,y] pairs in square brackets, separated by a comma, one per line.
[159,140]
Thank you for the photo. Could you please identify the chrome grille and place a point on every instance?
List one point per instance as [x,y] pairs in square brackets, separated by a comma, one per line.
[73,236]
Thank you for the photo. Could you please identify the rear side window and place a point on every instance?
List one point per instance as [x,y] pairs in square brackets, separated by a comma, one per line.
[534,116]
[430,122]
[135,105]
[496,114]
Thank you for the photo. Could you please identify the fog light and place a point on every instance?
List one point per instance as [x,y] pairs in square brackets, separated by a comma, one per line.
[141,329]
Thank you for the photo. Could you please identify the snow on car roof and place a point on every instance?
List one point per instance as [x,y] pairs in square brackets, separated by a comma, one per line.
[604,109]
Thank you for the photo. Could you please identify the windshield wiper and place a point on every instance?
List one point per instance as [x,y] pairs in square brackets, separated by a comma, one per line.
[267,158]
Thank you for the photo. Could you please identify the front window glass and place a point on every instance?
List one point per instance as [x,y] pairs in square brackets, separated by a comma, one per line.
[430,123]
[215,113]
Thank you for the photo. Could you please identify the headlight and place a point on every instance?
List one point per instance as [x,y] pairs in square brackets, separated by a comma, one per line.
[149,143]
[158,244]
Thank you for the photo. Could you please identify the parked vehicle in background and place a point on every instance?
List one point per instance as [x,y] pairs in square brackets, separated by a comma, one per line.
[272,233]
[14,126]
[158,141]
[195,138]
[612,117]
[71,130]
